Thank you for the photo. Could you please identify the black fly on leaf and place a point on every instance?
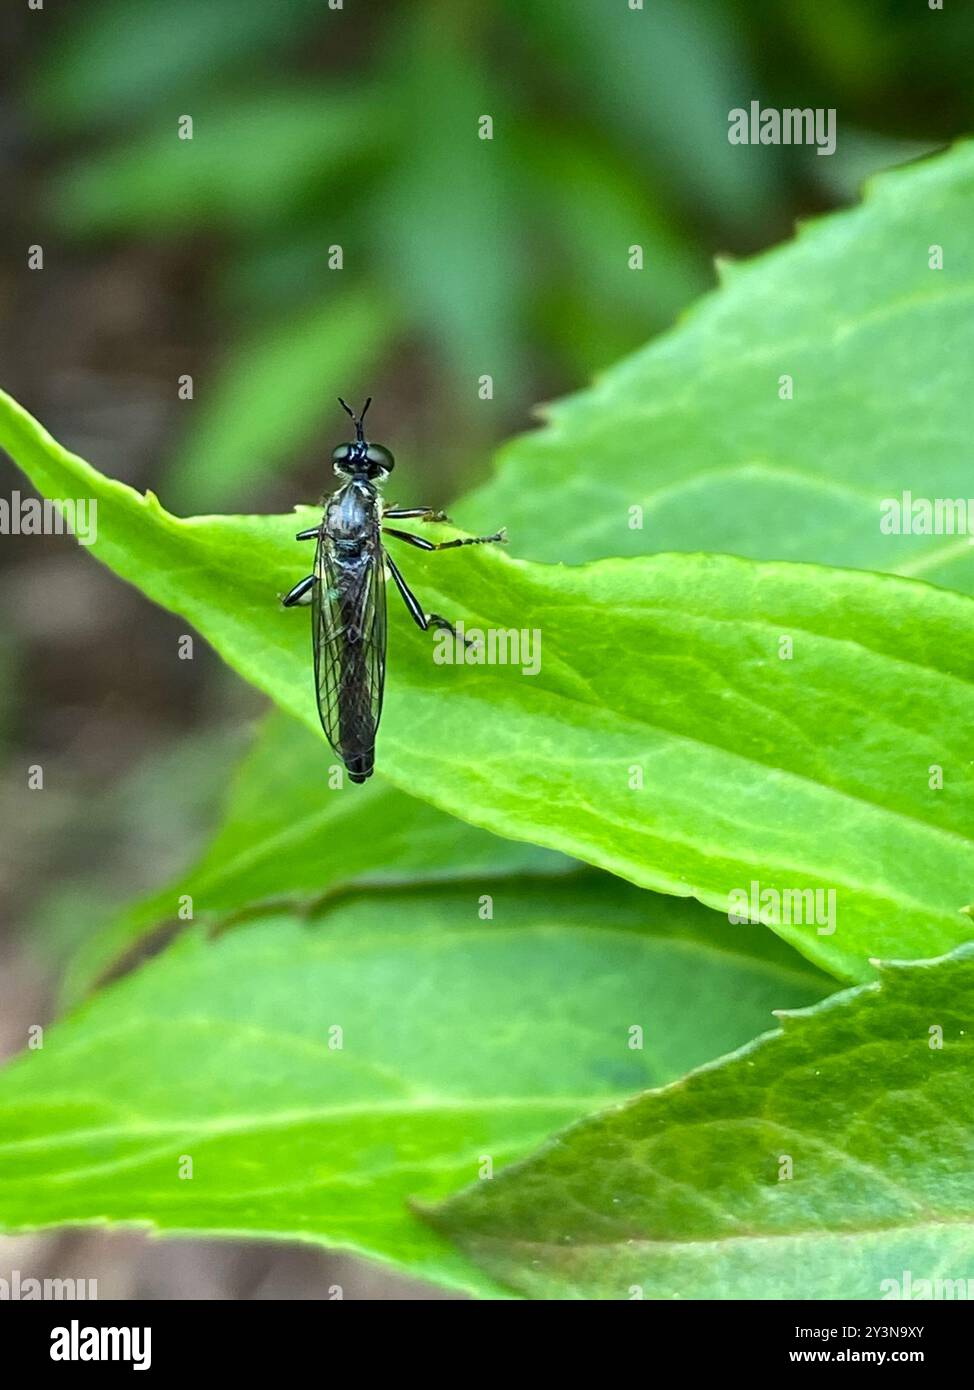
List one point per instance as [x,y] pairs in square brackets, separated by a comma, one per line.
[348,596]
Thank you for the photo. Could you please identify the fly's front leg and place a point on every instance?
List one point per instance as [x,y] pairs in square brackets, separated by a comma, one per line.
[311,534]
[421,543]
[424,621]
[301,593]
[420,513]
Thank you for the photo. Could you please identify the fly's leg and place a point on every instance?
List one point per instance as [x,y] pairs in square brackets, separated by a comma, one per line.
[301,593]
[421,619]
[424,621]
[421,543]
[309,535]
[421,513]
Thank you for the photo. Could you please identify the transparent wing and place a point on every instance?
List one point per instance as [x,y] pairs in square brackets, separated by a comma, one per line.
[349,634]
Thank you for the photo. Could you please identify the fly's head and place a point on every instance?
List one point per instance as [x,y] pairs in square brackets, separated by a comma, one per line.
[359,458]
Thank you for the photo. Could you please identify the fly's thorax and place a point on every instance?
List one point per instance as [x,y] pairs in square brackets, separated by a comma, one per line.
[352,513]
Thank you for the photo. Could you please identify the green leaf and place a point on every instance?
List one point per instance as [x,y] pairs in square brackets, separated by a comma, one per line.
[811,773]
[137,831]
[288,834]
[273,391]
[460,1037]
[685,1192]
[692,429]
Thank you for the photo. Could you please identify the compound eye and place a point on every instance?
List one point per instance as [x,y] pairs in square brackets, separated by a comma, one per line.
[380,455]
[342,454]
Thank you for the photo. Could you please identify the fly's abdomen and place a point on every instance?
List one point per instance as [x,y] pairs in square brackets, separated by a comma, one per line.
[349,641]
[356,723]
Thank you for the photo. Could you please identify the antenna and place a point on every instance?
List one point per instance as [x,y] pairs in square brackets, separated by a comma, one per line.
[356,418]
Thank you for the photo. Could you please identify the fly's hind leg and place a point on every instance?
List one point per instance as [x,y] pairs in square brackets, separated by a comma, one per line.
[301,593]
[424,621]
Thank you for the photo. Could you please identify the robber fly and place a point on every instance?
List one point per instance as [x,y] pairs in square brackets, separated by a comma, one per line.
[348,596]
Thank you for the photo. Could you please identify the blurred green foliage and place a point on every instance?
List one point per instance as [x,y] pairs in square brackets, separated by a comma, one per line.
[316,127]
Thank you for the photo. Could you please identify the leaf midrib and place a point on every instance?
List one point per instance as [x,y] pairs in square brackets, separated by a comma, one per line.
[717,1242]
[424,1107]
